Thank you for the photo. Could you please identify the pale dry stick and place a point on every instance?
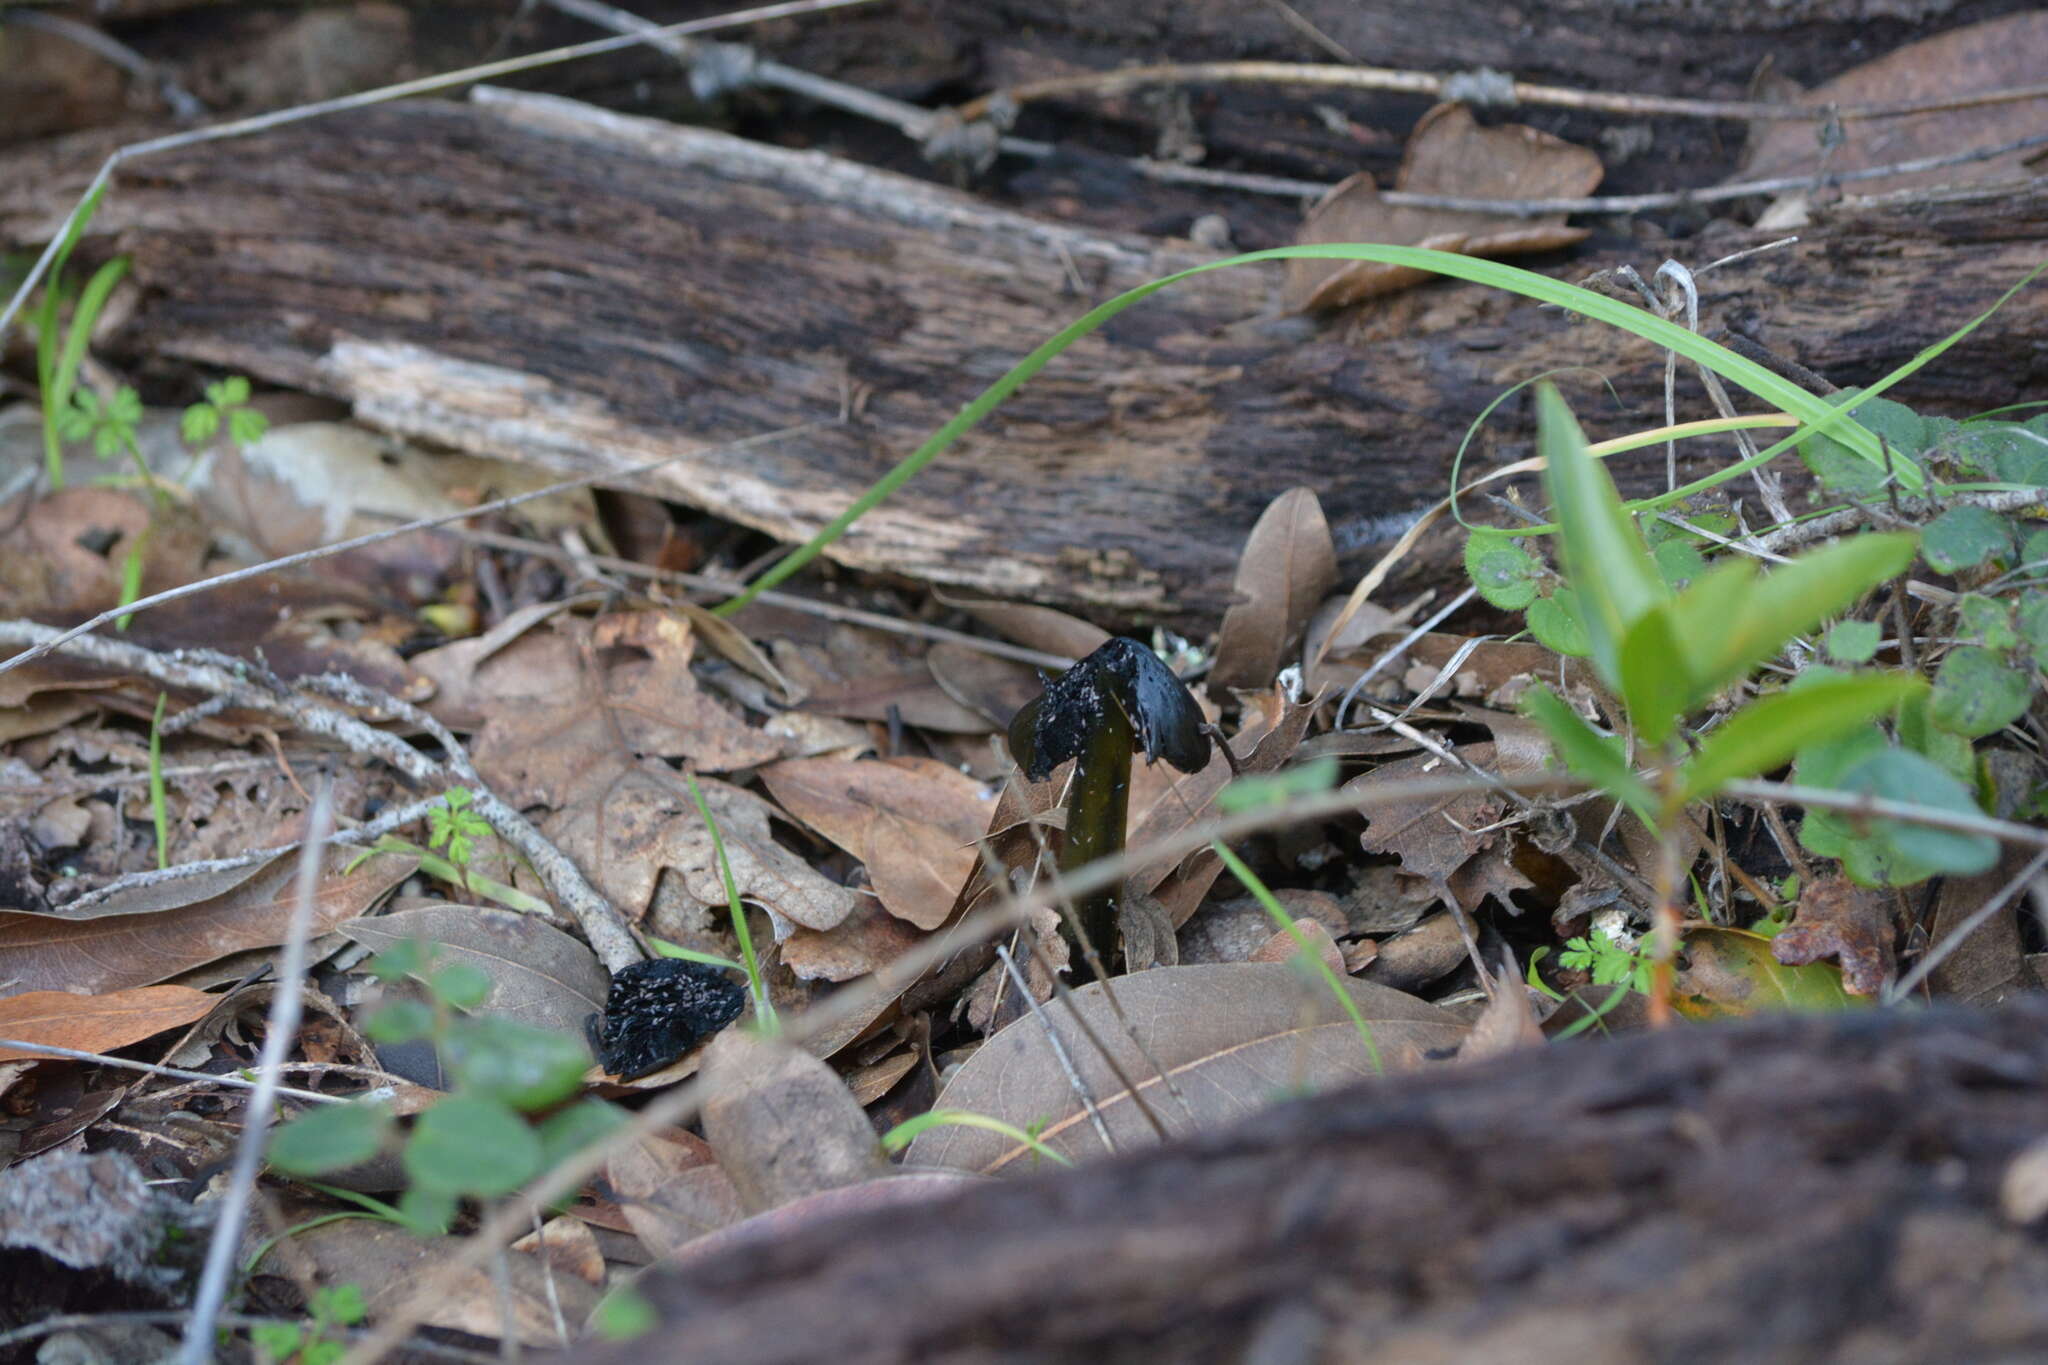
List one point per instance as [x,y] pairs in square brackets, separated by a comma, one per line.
[678,1104]
[1488,87]
[396,818]
[201,671]
[172,1317]
[363,99]
[1400,648]
[1059,1049]
[1855,517]
[59,786]
[280,1031]
[142,604]
[49,1050]
[830,611]
[1941,951]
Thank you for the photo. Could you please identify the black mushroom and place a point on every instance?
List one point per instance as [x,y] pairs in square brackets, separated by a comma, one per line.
[1117,697]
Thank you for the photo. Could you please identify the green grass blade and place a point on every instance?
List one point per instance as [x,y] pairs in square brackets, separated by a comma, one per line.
[1271,904]
[1589,755]
[764,1009]
[904,1133]
[1744,373]
[1766,733]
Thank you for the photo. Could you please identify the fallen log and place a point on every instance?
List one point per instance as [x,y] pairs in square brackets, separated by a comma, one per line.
[536,279]
[1848,1188]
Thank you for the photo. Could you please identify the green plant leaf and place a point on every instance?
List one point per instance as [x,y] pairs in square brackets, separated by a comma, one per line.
[576,1126]
[1977,693]
[1947,750]
[1888,852]
[622,1314]
[199,423]
[1842,470]
[515,1064]
[1605,560]
[2033,624]
[399,1021]
[426,1212]
[461,984]
[246,426]
[1589,755]
[1986,621]
[1276,789]
[1728,627]
[1854,642]
[1654,684]
[1766,733]
[1554,620]
[1505,573]
[331,1137]
[470,1145]
[1964,537]
[1679,562]
[1731,973]
[278,1340]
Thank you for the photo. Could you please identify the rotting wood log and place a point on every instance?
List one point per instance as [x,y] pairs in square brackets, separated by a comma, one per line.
[535,279]
[1794,1189]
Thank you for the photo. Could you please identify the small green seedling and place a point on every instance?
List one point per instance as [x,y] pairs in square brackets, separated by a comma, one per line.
[290,1343]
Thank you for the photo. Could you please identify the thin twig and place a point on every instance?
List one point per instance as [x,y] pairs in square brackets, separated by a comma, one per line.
[1856,516]
[1059,1049]
[1941,951]
[1488,86]
[280,1031]
[48,1050]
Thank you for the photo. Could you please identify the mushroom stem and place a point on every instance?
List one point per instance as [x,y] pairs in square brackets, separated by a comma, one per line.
[1098,809]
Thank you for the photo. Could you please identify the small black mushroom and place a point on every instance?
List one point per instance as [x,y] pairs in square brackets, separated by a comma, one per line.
[660,1009]
[1094,713]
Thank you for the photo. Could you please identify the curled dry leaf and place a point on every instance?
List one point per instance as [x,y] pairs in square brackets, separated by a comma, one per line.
[672,1192]
[1289,563]
[912,822]
[1233,1038]
[1035,627]
[1449,153]
[119,951]
[97,1023]
[782,1124]
[1844,921]
[1281,946]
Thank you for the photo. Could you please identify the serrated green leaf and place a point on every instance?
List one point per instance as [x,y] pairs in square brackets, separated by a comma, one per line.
[1964,537]
[1589,755]
[246,426]
[469,1145]
[1854,642]
[330,1138]
[1977,693]
[1554,621]
[1606,563]
[1505,573]
[1728,627]
[1766,733]
[1654,682]
[199,423]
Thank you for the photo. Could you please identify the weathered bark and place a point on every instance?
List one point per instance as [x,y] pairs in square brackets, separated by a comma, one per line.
[537,279]
[1791,1190]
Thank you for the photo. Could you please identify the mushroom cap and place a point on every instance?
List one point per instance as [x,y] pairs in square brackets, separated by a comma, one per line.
[1124,678]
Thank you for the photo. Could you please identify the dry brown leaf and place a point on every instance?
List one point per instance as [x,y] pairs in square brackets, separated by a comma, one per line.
[782,1124]
[1430,950]
[914,695]
[43,953]
[877,1079]
[97,1023]
[1449,153]
[1997,54]
[569,1246]
[672,1192]
[993,688]
[1273,727]
[556,748]
[912,822]
[1281,946]
[1844,921]
[538,974]
[1234,1038]
[865,941]
[1035,627]
[628,830]
[1507,1024]
[1289,563]
[1433,836]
